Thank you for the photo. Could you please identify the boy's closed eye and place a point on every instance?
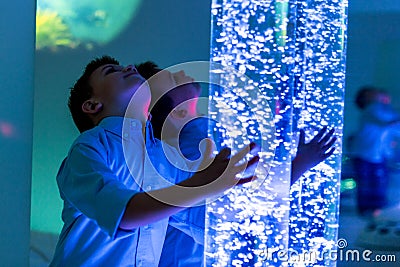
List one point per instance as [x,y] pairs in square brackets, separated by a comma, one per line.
[111,69]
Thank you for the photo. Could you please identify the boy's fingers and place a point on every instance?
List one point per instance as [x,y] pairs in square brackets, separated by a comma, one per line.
[246,180]
[254,148]
[248,164]
[318,136]
[327,136]
[225,153]
[207,148]
[329,153]
[302,138]
[330,144]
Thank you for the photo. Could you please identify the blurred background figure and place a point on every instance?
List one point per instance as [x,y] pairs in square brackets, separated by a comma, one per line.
[371,148]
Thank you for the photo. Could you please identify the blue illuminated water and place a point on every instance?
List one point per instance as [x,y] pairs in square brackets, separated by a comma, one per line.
[278,66]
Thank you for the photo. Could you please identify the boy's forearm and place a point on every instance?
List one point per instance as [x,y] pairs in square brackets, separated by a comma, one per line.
[297,170]
[221,174]
[143,209]
[148,207]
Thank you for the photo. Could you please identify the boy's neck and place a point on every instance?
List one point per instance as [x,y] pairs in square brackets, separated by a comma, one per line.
[143,119]
[141,114]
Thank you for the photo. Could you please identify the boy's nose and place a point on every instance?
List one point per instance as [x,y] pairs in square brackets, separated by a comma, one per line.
[129,67]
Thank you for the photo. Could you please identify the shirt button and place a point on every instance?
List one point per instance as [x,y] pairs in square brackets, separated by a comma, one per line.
[126,135]
[148,188]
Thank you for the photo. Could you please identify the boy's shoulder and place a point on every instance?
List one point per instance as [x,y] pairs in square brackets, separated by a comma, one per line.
[95,139]
[108,126]
[89,136]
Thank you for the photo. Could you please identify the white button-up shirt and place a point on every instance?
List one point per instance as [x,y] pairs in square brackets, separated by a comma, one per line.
[105,167]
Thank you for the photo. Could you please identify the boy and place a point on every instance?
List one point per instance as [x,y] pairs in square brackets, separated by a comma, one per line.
[176,121]
[368,148]
[109,218]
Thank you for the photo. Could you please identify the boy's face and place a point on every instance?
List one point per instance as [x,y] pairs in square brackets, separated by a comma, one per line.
[187,94]
[383,98]
[114,86]
[165,80]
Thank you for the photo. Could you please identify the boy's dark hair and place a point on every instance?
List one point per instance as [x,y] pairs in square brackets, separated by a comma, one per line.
[148,69]
[365,95]
[82,91]
[168,101]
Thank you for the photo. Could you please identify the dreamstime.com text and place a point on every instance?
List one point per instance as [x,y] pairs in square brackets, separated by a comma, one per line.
[342,253]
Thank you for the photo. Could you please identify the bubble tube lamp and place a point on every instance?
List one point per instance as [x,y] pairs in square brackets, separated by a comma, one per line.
[277,66]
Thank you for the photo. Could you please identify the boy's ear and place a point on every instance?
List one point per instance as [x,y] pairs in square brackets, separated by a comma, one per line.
[91,106]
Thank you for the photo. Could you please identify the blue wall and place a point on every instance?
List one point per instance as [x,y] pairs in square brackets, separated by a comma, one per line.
[17,33]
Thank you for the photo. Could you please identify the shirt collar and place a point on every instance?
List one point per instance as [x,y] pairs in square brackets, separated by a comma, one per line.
[115,125]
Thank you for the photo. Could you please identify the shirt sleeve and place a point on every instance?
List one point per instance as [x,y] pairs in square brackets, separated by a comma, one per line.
[191,221]
[88,184]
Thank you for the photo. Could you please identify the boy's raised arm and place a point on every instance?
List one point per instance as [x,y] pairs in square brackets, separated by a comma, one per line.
[219,175]
[312,153]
